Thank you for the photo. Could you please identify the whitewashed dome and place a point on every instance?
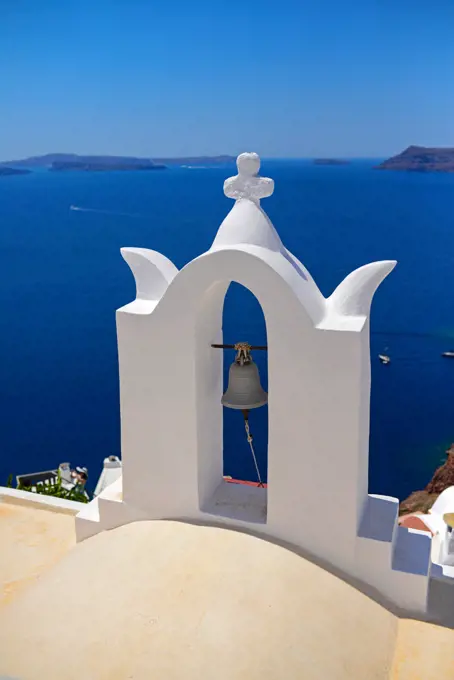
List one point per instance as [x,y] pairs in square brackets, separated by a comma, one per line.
[167,600]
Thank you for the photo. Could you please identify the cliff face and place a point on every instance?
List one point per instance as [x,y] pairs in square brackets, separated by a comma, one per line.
[444,475]
[421,501]
[421,159]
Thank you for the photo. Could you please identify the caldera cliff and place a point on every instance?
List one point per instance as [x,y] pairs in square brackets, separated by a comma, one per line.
[421,159]
[422,501]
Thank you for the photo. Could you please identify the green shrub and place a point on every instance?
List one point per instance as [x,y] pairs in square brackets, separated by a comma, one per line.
[56,489]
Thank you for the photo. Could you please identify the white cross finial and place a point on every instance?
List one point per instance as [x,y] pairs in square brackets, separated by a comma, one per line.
[247,183]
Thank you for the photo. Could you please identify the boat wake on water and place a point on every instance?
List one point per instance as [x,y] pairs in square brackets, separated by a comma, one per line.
[102,212]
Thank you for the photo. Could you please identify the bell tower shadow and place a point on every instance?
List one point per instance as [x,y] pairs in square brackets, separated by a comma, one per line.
[236,493]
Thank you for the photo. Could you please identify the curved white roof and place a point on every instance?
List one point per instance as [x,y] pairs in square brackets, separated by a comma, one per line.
[444,502]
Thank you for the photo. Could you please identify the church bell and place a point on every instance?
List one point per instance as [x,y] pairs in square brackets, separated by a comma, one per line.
[244,391]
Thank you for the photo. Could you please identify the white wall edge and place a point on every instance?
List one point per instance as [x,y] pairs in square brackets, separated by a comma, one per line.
[51,503]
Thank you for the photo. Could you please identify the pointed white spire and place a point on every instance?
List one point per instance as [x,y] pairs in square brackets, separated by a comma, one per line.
[247,223]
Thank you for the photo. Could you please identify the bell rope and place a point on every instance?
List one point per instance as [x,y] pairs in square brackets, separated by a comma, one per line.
[249,438]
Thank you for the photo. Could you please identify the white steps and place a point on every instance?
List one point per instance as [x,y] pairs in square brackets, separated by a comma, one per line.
[88,521]
[393,559]
[106,511]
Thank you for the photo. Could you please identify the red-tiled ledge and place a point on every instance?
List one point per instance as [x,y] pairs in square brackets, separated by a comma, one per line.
[242,481]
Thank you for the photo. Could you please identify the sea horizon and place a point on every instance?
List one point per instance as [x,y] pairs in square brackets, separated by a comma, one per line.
[198,156]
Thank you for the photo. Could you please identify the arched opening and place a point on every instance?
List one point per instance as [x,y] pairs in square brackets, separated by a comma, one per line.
[230,313]
[243,320]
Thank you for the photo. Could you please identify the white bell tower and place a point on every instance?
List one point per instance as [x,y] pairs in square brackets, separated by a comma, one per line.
[319,389]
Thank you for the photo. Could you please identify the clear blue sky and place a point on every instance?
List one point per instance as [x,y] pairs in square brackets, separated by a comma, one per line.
[181,77]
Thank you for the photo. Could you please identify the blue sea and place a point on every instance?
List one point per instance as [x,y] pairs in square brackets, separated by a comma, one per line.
[62,277]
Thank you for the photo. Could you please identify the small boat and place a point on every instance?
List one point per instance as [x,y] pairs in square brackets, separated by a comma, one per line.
[449,354]
[384,358]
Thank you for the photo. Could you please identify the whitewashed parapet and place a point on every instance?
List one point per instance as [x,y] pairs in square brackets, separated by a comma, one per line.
[53,503]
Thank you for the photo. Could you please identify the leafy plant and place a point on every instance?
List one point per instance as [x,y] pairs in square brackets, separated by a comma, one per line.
[55,489]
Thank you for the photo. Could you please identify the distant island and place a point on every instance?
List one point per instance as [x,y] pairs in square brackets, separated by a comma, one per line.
[197,160]
[105,164]
[4,171]
[60,162]
[330,161]
[421,159]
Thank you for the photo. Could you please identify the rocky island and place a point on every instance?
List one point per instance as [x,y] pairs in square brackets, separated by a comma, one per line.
[4,171]
[330,161]
[71,161]
[421,159]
